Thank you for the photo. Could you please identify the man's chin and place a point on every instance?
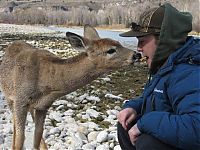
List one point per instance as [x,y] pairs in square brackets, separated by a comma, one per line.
[149,62]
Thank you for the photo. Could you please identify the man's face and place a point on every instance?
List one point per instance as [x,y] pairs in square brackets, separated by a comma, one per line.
[147,45]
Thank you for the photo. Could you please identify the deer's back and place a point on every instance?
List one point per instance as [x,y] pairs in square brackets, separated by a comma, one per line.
[20,67]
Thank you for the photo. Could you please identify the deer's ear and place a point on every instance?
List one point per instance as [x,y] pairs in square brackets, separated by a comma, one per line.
[77,41]
[90,33]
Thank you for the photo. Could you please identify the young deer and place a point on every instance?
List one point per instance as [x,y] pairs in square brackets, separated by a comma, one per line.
[33,79]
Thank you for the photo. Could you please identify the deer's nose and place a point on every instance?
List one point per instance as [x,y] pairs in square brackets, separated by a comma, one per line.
[136,57]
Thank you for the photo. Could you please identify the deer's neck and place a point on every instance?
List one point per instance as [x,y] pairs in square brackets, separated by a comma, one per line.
[78,71]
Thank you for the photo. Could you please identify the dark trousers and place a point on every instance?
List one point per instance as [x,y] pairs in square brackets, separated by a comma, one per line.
[144,141]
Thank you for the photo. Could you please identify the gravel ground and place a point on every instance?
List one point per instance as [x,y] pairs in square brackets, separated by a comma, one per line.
[23,29]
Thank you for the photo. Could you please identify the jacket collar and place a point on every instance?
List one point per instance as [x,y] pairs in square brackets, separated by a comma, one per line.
[177,55]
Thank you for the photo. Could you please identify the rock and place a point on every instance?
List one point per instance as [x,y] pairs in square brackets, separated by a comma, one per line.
[3,121]
[86,116]
[69,120]
[83,130]
[112,145]
[113,97]
[60,102]
[84,101]
[112,117]
[82,97]
[89,146]
[69,112]
[102,147]
[2,111]
[93,98]
[92,126]
[63,134]
[55,116]
[92,136]
[114,112]
[60,107]
[8,130]
[117,147]
[113,136]
[117,108]
[92,113]
[102,136]
[107,79]
[1,139]
[57,146]
[81,136]
[74,142]
[54,130]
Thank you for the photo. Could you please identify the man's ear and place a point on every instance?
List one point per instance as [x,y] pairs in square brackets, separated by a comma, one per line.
[77,41]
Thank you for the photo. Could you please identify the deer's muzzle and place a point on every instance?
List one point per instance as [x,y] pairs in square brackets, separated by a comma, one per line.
[136,57]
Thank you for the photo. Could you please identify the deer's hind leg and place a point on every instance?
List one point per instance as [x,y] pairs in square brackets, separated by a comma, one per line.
[10,104]
[43,145]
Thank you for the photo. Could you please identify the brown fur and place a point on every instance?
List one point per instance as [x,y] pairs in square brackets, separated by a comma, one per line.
[32,79]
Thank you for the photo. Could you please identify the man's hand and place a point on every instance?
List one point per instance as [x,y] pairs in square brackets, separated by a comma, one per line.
[126,116]
[134,132]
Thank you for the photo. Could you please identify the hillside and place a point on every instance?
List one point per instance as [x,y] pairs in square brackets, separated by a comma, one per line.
[80,12]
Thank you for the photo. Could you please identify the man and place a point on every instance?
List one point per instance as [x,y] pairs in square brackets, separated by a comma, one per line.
[167,115]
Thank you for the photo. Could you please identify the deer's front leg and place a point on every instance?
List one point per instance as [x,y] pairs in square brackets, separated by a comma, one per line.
[39,123]
[19,115]
[43,145]
[40,113]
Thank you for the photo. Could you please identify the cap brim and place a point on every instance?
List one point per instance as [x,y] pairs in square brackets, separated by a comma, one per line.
[132,33]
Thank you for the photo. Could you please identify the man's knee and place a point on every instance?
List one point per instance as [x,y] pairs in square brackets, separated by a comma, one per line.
[121,132]
[123,138]
[120,128]
[143,141]
[148,142]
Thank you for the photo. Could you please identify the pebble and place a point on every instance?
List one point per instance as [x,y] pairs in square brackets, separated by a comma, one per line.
[1,139]
[102,136]
[113,97]
[92,136]
[83,130]
[117,147]
[93,98]
[89,146]
[102,147]
[54,131]
[92,113]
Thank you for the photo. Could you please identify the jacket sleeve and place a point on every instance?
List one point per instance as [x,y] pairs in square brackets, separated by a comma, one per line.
[182,127]
[135,104]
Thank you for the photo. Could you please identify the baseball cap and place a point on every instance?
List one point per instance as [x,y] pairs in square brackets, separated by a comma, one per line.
[150,22]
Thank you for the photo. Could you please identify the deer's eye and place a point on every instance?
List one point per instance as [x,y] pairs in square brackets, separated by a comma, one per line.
[111,51]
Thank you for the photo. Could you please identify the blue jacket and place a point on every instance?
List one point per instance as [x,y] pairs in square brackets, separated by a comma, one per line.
[170,103]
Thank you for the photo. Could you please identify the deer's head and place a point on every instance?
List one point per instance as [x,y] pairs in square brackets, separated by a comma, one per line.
[104,53]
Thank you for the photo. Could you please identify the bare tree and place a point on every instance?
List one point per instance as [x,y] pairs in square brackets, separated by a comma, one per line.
[122,12]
